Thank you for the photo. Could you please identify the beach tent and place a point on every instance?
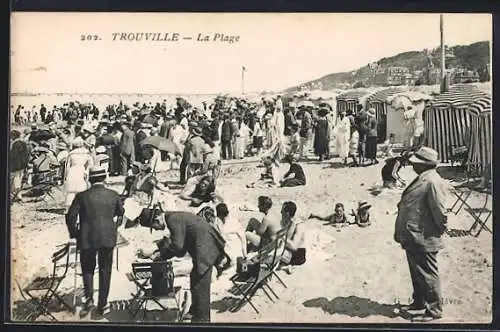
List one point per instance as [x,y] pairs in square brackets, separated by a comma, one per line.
[480,142]
[378,101]
[349,100]
[398,122]
[447,120]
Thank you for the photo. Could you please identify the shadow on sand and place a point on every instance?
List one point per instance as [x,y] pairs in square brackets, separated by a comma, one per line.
[230,303]
[54,210]
[120,311]
[375,190]
[335,165]
[354,306]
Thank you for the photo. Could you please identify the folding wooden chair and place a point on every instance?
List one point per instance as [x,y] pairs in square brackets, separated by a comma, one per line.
[478,180]
[49,286]
[267,260]
[141,276]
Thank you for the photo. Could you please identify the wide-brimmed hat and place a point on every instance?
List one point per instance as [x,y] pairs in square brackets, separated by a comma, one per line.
[371,112]
[97,171]
[364,205]
[425,155]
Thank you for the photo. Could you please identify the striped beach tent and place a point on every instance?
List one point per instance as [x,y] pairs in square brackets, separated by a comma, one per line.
[447,120]
[480,144]
[378,100]
[349,100]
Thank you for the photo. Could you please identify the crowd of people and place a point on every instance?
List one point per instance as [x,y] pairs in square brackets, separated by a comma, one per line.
[81,146]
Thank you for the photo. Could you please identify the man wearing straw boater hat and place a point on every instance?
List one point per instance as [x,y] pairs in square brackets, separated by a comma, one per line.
[421,221]
[96,234]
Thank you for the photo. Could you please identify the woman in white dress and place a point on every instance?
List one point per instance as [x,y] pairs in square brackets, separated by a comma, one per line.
[343,134]
[77,168]
[245,138]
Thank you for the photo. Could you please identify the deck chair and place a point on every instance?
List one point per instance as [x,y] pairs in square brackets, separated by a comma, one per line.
[48,286]
[141,276]
[266,260]
[478,180]
[46,183]
[458,154]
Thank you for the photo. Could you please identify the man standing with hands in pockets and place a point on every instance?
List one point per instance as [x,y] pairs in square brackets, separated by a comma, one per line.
[421,221]
[96,235]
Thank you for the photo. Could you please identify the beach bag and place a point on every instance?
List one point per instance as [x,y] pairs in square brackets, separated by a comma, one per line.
[246,268]
[297,257]
[149,218]
[162,278]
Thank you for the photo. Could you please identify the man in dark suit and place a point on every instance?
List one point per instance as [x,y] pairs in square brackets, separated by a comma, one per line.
[96,234]
[127,148]
[421,221]
[226,138]
[191,234]
[19,159]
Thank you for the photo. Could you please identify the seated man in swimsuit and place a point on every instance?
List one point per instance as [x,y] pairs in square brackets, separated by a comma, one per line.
[294,248]
[261,233]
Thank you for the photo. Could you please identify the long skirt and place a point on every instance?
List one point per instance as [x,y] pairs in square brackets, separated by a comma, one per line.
[342,145]
[371,147]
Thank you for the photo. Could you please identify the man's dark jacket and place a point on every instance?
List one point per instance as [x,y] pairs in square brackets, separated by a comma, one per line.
[96,208]
[191,234]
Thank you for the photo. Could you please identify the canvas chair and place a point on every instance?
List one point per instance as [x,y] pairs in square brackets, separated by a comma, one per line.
[478,180]
[48,286]
[267,260]
[141,276]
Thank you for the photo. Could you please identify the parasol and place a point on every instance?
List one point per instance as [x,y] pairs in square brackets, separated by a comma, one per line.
[161,143]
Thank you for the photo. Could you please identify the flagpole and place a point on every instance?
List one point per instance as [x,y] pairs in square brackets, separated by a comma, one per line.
[443,55]
[243,80]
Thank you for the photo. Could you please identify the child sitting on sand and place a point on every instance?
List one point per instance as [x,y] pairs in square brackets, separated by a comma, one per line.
[337,219]
[362,214]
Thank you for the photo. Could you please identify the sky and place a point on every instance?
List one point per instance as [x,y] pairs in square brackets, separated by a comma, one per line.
[278,50]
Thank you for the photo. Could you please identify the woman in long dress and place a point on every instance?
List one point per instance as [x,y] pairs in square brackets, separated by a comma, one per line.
[321,138]
[77,167]
[343,134]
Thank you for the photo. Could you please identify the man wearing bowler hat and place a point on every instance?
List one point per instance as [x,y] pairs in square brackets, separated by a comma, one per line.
[96,235]
[421,221]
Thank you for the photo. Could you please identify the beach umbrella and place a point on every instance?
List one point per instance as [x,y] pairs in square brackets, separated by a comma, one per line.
[161,143]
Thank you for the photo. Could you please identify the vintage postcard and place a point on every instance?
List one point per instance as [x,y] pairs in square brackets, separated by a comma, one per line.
[251,168]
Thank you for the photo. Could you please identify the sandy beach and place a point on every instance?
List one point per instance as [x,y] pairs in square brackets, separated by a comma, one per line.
[353,275]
